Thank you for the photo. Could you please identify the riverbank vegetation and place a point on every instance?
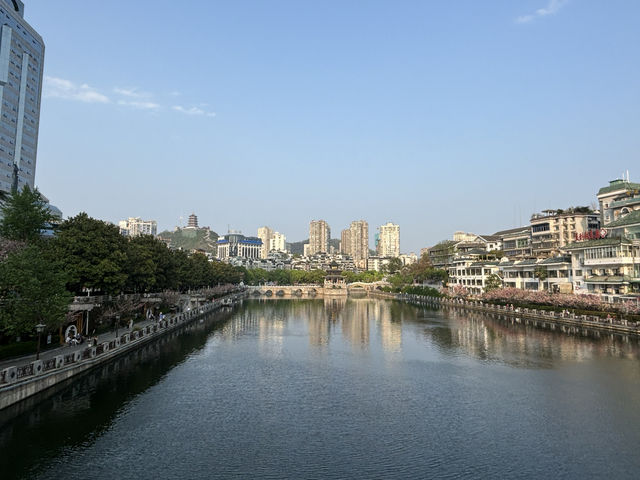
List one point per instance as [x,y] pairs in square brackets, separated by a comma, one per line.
[45,261]
[579,304]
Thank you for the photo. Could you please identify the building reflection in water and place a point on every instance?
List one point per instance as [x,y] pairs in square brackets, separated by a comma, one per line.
[390,327]
[354,322]
[507,340]
[356,317]
[488,337]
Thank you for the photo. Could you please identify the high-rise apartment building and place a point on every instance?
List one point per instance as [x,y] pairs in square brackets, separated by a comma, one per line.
[389,240]
[134,226]
[319,236]
[345,241]
[21,65]
[359,237]
[278,242]
[265,234]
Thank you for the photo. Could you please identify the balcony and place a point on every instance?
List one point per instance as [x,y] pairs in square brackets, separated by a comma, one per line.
[609,261]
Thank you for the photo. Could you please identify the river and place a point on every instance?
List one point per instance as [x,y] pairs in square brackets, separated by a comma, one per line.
[342,389]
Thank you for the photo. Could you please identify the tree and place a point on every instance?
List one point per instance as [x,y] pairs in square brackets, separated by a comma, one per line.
[32,291]
[140,265]
[394,265]
[25,215]
[493,282]
[541,274]
[93,253]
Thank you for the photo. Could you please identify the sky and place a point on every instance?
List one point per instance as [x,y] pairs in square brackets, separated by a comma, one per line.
[437,116]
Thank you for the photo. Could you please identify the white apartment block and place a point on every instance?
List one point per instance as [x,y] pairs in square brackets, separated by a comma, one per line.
[471,273]
[277,242]
[135,226]
[265,234]
[388,240]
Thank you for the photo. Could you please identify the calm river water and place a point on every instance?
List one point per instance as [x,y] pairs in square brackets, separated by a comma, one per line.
[337,389]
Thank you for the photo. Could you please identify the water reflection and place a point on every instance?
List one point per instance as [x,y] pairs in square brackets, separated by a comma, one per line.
[508,340]
[76,413]
[344,388]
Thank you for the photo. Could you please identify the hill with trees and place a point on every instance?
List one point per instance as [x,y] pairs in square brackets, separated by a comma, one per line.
[190,239]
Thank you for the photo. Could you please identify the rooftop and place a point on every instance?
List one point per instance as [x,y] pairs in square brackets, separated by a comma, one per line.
[626,201]
[629,219]
[490,238]
[560,259]
[511,231]
[619,184]
[601,242]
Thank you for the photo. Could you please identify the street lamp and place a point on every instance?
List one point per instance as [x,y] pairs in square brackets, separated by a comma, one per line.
[39,329]
[117,324]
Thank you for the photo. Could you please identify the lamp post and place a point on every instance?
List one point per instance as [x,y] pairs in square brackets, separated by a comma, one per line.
[39,329]
[117,324]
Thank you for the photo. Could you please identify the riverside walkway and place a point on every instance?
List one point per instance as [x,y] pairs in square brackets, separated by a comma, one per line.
[50,353]
[23,377]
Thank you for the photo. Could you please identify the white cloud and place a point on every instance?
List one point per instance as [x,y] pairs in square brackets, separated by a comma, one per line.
[139,104]
[60,88]
[131,92]
[551,9]
[193,111]
[131,97]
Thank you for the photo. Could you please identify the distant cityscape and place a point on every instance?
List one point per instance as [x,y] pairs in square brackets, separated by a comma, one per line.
[568,249]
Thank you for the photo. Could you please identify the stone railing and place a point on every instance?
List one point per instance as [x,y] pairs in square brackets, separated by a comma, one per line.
[588,320]
[12,375]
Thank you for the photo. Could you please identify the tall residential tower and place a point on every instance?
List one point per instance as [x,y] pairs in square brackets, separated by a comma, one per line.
[319,236]
[21,65]
[359,238]
[265,234]
[389,240]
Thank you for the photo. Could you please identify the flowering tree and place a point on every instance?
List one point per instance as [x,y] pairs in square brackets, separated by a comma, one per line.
[558,300]
[459,292]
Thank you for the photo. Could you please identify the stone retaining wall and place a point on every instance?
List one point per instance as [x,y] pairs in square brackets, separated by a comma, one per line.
[617,325]
[19,383]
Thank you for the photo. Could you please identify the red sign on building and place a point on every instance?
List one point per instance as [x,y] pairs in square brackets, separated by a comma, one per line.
[591,234]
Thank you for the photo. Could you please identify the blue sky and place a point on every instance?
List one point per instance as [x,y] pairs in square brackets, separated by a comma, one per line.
[438,116]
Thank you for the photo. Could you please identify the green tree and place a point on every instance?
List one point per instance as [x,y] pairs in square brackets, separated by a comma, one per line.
[541,274]
[201,273]
[93,253]
[493,282]
[423,270]
[141,265]
[399,280]
[32,291]
[25,214]
[394,265]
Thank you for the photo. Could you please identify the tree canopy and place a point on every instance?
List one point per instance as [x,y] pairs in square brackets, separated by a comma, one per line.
[32,291]
[25,214]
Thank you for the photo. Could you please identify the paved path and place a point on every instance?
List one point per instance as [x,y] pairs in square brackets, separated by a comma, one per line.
[63,350]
